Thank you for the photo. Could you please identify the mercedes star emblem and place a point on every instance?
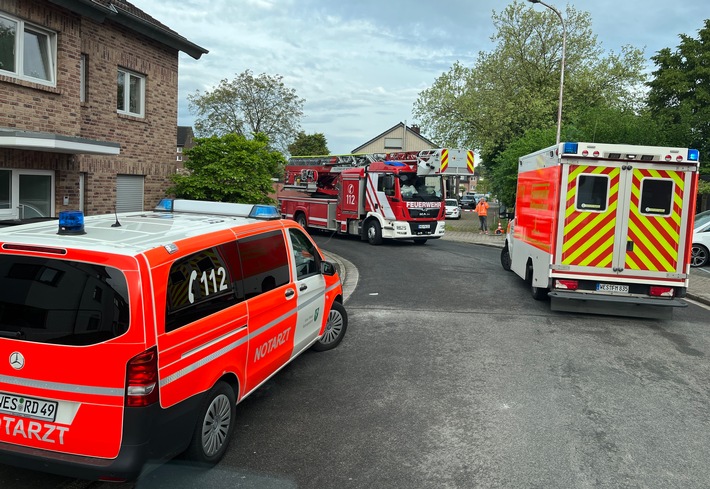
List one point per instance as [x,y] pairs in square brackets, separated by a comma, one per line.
[17,360]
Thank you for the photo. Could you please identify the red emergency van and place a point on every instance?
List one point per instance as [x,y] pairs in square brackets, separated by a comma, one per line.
[131,338]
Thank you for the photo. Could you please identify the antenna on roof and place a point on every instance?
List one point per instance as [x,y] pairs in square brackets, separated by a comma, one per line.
[116,224]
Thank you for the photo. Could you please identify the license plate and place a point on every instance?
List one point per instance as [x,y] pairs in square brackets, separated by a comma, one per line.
[28,407]
[613,288]
[424,226]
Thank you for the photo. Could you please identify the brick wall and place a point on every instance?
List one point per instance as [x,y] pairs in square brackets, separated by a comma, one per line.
[147,144]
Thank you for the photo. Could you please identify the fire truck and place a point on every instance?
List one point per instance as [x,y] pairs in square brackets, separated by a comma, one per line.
[375,196]
[605,228]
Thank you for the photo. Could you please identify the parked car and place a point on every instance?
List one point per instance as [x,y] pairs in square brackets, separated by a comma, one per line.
[453,211]
[700,253]
[468,202]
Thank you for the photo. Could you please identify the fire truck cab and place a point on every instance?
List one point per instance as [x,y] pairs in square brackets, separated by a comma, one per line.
[131,338]
[605,228]
[374,196]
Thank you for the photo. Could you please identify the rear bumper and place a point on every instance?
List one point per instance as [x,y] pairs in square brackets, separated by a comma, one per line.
[149,434]
[614,305]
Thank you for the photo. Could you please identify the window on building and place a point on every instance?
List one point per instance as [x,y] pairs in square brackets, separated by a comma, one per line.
[179,149]
[5,189]
[393,143]
[179,157]
[130,95]
[83,82]
[27,51]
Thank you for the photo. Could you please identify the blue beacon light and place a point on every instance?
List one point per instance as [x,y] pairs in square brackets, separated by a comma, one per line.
[71,222]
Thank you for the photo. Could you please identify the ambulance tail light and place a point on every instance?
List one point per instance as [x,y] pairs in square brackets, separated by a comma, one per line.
[567,284]
[142,379]
[659,291]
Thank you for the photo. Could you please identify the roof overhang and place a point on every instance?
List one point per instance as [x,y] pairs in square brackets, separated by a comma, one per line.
[55,143]
[115,13]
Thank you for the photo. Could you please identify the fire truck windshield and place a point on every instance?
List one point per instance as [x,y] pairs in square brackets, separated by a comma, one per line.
[420,188]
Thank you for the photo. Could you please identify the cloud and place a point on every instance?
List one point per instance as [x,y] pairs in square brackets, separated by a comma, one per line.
[360,65]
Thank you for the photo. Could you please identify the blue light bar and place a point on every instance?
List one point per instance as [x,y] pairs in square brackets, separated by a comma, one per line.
[165,205]
[71,222]
[570,148]
[693,155]
[262,211]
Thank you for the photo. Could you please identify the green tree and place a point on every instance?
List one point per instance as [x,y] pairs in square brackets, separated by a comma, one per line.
[503,174]
[515,87]
[229,168]
[679,95]
[248,105]
[309,145]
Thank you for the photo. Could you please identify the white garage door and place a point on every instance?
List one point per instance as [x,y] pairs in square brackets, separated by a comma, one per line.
[129,193]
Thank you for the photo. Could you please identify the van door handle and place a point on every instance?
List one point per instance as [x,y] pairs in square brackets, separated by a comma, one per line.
[303,287]
[290,293]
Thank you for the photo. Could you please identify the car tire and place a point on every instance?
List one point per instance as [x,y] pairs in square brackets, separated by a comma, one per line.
[505,260]
[335,328]
[301,220]
[699,255]
[373,231]
[215,425]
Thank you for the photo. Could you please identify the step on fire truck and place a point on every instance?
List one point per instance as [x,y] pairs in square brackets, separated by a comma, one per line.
[375,196]
[605,228]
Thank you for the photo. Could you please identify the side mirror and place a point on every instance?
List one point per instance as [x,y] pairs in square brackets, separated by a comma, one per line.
[327,268]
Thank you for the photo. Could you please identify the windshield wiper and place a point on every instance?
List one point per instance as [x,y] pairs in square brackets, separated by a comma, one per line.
[18,335]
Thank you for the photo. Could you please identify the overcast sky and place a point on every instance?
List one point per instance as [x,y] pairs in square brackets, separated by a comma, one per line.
[361,64]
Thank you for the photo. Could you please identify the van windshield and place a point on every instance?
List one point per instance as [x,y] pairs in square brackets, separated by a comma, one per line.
[60,301]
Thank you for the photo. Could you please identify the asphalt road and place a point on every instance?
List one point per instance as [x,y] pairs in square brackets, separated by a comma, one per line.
[452,376]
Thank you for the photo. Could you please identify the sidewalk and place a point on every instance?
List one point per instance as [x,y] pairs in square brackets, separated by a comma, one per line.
[698,290]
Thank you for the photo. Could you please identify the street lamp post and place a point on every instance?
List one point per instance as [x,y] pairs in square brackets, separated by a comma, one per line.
[562,64]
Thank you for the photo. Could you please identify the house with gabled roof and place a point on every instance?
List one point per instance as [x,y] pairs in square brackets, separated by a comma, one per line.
[399,137]
[88,107]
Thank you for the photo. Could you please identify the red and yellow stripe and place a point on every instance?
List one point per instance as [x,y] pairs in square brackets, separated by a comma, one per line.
[444,159]
[589,236]
[655,238]
[469,161]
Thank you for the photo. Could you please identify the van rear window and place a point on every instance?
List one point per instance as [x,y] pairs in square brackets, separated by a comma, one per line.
[61,302]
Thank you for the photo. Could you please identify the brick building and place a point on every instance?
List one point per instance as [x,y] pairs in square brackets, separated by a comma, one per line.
[88,106]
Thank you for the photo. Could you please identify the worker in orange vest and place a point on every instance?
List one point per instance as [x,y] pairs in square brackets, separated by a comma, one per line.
[482,211]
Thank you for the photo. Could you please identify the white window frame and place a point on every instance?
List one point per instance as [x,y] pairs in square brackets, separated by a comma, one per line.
[50,47]
[393,143]
[127,75]
[83,82]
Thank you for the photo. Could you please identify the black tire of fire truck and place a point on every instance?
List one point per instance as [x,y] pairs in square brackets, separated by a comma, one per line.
[300,218]
[538,293]
[505,258]
[215,425]
[334,329]
[373,232]
[420,241]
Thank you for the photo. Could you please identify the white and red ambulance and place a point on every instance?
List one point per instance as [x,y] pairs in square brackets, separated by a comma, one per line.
[605,228]
[131,338]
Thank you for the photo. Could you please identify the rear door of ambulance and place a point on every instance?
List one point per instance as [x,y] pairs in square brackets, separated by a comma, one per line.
[624,220]
[69,324]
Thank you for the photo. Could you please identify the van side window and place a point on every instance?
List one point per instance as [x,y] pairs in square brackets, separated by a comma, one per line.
[656,197]
[264,262]
[61,302]
[592,193]
[202,284]
[305,254]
